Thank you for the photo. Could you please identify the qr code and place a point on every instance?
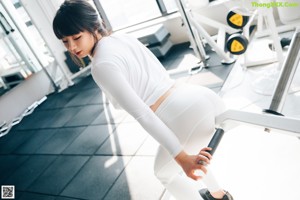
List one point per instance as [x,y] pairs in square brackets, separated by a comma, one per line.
[8,192]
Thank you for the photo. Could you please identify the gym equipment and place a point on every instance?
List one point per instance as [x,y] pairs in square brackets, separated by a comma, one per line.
[270,122]
[265,22]
[237,18]
[214,143]
[281,124]
[283,42]
[287,73]
[237,44]
[259,15]
[271,118]
[195,40]
[198,34]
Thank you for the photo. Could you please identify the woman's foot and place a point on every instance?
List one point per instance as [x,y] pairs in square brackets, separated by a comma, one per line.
[205,194]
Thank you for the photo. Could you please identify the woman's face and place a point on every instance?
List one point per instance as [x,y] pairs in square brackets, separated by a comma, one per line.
[80,44]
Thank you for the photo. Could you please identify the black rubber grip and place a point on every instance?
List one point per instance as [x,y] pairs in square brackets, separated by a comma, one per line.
[214,142]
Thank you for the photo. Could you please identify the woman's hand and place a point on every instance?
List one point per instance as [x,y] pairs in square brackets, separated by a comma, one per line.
[190,163]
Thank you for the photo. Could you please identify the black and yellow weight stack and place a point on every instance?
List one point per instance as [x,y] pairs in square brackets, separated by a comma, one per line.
[237,44]
[236,19]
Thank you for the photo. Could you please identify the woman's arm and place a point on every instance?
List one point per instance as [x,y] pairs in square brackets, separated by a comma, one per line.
[109,77]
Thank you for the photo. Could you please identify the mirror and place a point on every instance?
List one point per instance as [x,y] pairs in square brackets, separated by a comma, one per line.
[17,59]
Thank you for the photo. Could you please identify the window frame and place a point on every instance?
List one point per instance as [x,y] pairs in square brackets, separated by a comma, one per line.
[160,4]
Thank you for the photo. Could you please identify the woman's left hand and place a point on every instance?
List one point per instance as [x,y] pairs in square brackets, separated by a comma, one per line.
[192,163]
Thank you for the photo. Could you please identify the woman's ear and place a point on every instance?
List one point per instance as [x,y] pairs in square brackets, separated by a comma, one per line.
[97,34]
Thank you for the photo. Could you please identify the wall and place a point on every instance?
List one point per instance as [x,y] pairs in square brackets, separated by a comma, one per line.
[14,102]
[177,31]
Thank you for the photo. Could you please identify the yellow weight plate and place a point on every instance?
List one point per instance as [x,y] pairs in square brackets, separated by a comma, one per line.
[236,46]
[236,19]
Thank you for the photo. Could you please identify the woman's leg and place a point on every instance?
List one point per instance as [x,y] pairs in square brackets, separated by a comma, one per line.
[175,181]
[170,175]
[193,124]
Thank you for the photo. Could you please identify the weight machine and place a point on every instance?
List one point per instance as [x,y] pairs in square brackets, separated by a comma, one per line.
[261,16]
[270,119]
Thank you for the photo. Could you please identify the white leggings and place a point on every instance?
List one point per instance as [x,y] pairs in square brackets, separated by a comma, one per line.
[190,113]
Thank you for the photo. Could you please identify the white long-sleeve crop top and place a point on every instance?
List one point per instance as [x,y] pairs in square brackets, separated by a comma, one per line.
[132,78]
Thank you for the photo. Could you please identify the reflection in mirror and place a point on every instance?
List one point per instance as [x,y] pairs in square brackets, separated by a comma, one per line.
[17,61]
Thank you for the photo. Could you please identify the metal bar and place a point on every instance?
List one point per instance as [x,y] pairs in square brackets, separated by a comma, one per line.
[287,74]
[190,32]
[232,118]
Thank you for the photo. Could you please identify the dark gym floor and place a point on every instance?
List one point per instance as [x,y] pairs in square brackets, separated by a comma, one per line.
[73,147]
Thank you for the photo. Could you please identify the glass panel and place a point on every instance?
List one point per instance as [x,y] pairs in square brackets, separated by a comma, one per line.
[17,61]
[122,13]
[31,28]
[171,6]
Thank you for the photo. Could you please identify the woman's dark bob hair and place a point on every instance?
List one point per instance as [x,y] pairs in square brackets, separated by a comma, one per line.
[76,16]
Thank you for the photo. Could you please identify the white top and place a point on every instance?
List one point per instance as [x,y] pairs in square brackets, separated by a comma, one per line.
[132,78]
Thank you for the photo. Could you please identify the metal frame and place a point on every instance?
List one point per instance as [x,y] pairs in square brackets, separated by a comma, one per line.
[232,118]
[195,40]
[264,17]
[271,120]
[196,28]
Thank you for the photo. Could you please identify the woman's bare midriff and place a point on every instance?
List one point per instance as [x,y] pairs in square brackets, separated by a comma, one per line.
[159,101]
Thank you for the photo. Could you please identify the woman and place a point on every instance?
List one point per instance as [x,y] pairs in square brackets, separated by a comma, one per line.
[179,117]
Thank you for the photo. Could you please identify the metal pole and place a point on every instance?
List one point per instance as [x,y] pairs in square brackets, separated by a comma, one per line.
[103,15]
[191,33]
[289,67]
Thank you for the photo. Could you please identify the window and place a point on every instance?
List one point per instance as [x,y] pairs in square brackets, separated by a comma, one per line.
[121,14]
[171,6]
